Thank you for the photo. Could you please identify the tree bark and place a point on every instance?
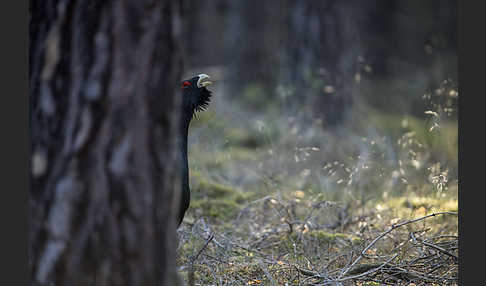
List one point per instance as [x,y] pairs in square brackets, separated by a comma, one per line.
[103,114]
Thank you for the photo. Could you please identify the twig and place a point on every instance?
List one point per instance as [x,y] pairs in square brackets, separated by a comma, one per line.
[205,245]
[364,273]
[439,249]
[392,228]
[191,270]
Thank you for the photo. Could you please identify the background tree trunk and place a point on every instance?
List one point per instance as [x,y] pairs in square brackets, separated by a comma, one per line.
[103,193]
[254,33]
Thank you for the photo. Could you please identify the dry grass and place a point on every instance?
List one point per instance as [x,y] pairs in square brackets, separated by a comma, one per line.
[271,245]
[279,202]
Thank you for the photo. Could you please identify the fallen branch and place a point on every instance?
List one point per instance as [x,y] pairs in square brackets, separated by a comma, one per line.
[392,228]
[191,270]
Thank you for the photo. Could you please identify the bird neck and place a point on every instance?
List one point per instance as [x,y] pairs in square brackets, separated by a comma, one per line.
[184,169]
[183,134]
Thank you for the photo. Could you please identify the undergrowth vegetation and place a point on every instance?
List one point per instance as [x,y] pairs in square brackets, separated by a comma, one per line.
[276,201]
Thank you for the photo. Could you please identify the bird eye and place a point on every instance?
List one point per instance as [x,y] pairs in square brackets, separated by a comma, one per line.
[186,83]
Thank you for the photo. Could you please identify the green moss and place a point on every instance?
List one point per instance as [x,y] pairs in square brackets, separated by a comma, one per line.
[214,199]
[218,208]
[213,190]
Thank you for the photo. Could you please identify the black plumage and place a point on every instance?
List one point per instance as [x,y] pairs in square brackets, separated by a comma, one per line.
[195,98]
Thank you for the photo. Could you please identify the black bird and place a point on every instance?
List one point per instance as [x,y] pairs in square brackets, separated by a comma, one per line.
[195,97]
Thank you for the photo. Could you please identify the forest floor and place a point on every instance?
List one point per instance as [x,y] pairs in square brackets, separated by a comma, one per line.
[278,200]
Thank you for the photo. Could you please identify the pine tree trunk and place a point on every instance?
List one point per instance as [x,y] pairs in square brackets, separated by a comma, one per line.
[103,194]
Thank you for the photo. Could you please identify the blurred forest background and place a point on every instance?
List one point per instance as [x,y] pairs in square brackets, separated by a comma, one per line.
[328,118]
[376,51]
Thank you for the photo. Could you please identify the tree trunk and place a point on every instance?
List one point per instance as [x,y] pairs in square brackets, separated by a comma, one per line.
[253,38]
[103,112]
[324,45]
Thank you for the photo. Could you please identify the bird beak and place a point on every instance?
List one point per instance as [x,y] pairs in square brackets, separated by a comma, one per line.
[202,81]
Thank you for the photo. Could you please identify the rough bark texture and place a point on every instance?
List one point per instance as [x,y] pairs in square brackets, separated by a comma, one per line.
[103,190]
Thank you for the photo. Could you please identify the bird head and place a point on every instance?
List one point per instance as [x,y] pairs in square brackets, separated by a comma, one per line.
[195,95]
